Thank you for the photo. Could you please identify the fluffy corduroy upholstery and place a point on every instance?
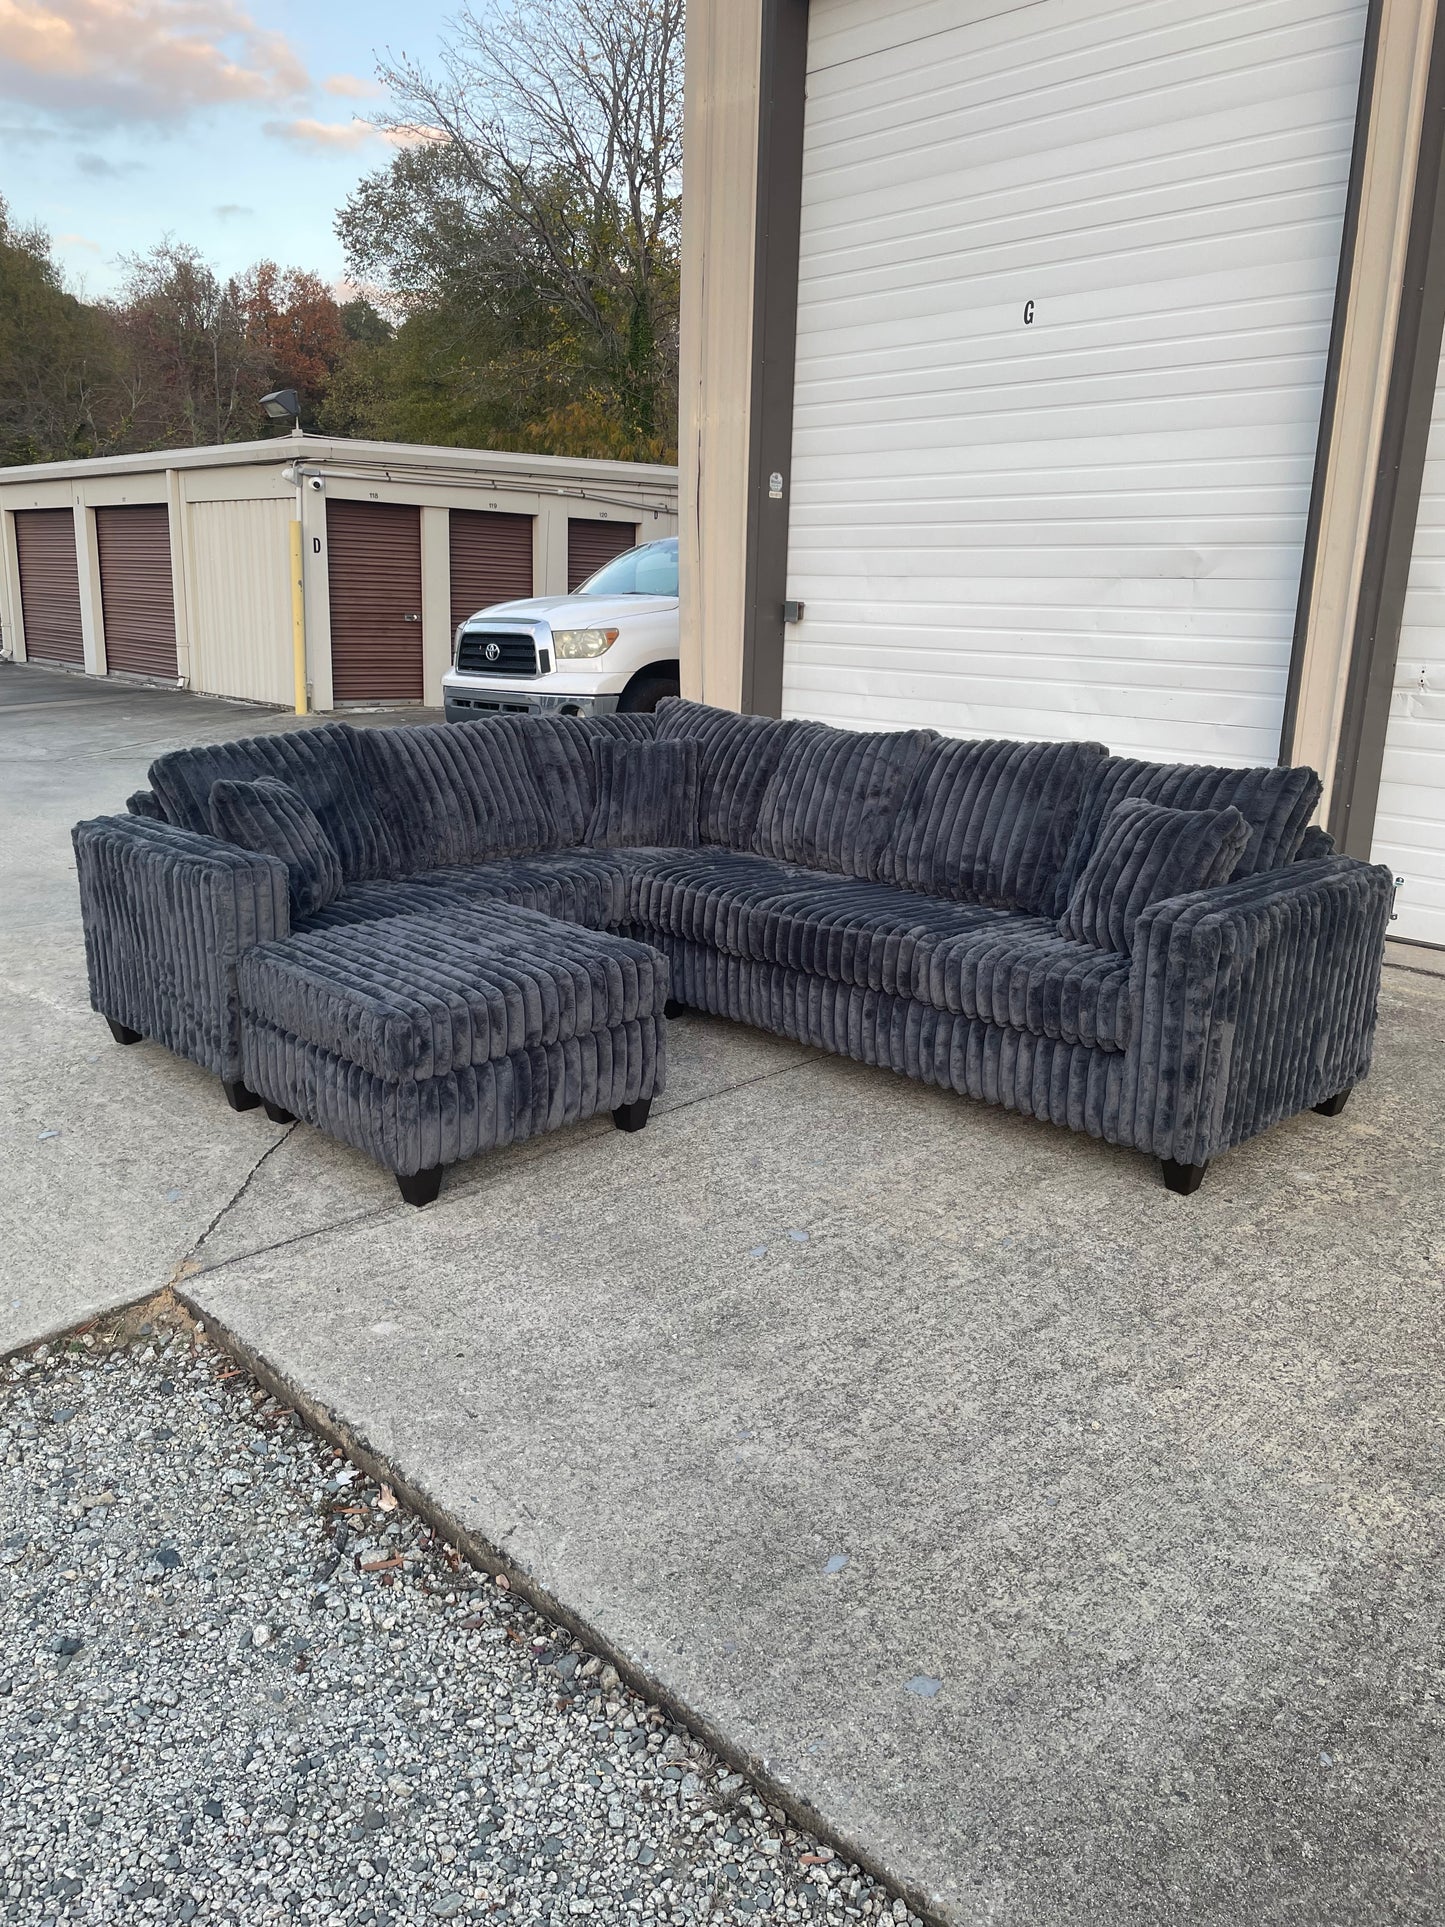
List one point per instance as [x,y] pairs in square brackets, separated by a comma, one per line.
[646,795]
[833,799]
[737,758]
[1146,852]
[1276,804]
[269,816]
[167,916]
[423,1040]
[893,897]
[990,822]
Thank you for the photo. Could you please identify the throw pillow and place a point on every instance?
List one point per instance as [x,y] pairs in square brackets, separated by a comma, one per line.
[274,819]
[646,794]
[1145,853]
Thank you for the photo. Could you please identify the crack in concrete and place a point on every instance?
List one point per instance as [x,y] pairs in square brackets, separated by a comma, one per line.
[235,1198]
[556,1146]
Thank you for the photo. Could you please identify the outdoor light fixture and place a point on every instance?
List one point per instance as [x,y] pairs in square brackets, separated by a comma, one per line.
[283,405]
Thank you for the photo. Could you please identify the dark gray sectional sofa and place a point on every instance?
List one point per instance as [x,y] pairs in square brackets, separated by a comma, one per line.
[1164,956]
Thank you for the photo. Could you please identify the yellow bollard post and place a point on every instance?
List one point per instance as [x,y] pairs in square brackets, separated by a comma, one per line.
[298,619]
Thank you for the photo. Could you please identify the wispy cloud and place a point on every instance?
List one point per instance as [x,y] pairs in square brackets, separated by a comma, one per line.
[97,168]
[232,211]
[106,62]
[328,136]
[351,87]
[79,241]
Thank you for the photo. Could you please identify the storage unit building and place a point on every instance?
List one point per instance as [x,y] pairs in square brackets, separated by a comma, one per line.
[177,566]
[1058,370]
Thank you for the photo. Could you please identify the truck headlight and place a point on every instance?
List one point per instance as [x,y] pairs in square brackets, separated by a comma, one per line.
[571,644]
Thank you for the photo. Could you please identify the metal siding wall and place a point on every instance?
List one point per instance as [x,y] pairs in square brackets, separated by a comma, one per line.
[136,594]
[491,559]
[49,585]
[242,584]
[374,555]
[590,544]
[1090,526]
[1410,813]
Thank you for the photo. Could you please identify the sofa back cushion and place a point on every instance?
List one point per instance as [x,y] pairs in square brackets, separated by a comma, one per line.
[561,750]
[832,801]
[1148,852]
[1277,804]
[990,822]
[737,756]
[646,794]
[273,818]
[321,763]
[456,793]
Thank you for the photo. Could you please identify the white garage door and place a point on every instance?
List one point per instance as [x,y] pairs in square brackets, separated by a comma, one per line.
[1410,817]
[1066,283]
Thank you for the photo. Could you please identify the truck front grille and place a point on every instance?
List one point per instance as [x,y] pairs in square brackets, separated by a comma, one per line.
[514,655]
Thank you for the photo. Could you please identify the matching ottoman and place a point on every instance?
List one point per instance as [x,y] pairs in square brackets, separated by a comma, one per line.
[425,1039]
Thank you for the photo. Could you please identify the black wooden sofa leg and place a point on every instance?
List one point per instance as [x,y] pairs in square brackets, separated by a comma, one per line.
[276,1114]
[673,1008]
[237,1096]
[122,1033]
[1332,1106]
[1183,1178]
[632,1117]
[420,1187]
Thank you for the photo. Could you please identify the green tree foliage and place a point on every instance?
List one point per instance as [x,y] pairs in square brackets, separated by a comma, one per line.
[521,253]
[55,356]
[527,233]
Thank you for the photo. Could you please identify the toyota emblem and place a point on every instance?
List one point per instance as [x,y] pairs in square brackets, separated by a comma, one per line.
[493,652]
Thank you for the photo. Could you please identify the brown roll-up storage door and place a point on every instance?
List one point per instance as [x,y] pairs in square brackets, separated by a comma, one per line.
[491,560]
[49,585]
[137,604]
[374,565]
[590,544]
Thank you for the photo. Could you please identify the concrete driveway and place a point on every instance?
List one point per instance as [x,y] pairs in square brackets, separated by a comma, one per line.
[1069,1550]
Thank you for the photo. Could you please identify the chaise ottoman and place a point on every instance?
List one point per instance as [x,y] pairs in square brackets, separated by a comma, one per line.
[424,1039]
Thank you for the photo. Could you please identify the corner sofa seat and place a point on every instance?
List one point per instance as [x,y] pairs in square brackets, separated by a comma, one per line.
[895,897]
[975,960]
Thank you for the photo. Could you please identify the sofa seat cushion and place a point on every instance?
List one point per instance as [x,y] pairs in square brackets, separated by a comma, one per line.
[851,931]
[573,885]
[422,996]
[1025,976]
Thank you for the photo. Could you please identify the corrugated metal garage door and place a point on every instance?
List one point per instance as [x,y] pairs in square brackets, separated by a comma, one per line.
[137,600]
[1410,816]
[49,585]
[1066,284]
[374,565]
[491,557]
[590,544]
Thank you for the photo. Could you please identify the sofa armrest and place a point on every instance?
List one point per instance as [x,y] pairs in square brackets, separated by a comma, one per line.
[167,913]
[1252,1002]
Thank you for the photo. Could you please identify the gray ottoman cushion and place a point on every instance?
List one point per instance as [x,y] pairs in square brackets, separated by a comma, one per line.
[424,1039]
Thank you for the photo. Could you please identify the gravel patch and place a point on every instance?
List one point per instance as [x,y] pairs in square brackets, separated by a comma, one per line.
[240,1682]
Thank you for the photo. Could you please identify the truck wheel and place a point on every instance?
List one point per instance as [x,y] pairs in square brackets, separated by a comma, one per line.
[646,691]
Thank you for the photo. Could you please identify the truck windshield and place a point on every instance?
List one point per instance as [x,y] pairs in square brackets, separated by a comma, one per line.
[650,570]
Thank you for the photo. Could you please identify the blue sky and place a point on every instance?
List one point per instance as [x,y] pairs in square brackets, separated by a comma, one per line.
[230,124]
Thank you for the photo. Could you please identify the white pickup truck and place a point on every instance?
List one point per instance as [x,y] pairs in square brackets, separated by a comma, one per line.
[611,645]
